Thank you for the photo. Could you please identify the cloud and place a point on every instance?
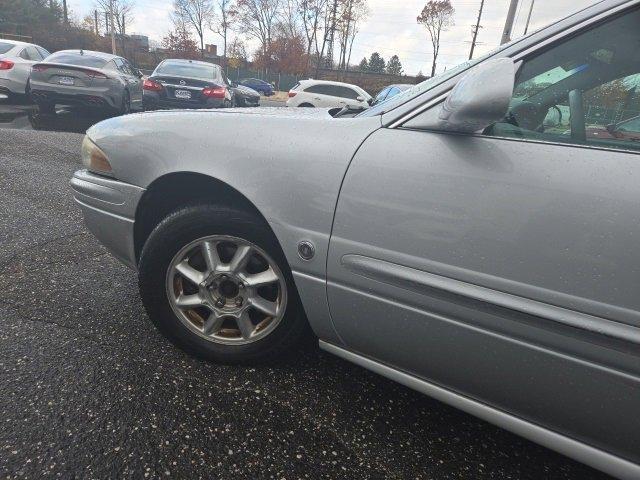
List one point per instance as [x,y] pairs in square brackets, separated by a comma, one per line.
[391,28]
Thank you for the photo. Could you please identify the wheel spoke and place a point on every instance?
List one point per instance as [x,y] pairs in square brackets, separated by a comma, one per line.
[240,258]
[245,325]
[213,324]
[190,273]
[187,302]
[264,305]
[262,278]
[211,257]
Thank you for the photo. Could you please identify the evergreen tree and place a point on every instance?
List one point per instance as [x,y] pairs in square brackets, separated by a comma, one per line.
[377,63]
[364,65]
[394,67]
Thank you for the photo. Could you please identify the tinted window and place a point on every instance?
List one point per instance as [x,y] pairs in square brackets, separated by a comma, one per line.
[84,60]
[343,92]
[185,69]
[5,47]
[320,89]
[25,54]
[581,91]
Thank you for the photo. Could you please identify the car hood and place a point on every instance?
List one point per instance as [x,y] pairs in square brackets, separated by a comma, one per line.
[143,146]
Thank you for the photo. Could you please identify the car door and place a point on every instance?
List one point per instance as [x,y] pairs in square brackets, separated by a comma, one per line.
[321,96]
[504,266]
[133,80]
[346,96]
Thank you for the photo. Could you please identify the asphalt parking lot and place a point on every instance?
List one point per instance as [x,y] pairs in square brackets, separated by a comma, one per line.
[88,389]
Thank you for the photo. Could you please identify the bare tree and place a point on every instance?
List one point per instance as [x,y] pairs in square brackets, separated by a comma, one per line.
[196,14]
[258,19]
[436,16]
[351,14]
[222,21]
[312,16]
[289,20]
[122,17]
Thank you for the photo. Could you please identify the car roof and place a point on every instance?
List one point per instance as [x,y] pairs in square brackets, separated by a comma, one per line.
[92,53]
[183,60]
[17,43]
[311,81]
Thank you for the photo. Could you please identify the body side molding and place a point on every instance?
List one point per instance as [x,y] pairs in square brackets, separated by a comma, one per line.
[420,282]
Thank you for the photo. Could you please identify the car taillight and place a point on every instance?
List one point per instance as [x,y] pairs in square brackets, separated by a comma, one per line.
[6,64]
[215,92]
[151,85]
[292,94]
[93,74]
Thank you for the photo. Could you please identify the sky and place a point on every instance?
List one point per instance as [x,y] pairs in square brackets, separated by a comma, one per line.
[391,27]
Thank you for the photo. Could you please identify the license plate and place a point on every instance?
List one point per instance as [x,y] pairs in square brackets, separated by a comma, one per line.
[183,94]
[66,80]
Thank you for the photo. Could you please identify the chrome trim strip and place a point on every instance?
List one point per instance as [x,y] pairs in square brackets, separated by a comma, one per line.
[581,452]
[420,281]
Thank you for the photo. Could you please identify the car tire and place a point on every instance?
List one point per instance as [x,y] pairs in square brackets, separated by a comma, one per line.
[46,108]
[157,262]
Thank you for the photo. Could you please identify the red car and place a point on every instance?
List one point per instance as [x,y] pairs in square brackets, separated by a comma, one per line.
[628,130]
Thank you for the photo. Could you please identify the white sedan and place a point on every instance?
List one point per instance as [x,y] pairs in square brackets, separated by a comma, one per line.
[16,60]
[325,94]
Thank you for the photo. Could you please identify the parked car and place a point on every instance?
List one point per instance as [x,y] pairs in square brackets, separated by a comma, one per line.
[245,96]
[325,94]
[443,239]
[390,92]
[259,86]
[94,80]
[179,83]
[16,60]
[626,130]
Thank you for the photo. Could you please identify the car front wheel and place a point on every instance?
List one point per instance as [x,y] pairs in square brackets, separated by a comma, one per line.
[215,282]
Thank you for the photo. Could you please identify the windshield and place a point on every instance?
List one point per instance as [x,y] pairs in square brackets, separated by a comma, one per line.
[5,47]
[82,60]
[183,69]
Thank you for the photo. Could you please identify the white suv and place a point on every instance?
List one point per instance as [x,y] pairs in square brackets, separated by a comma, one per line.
[319,93]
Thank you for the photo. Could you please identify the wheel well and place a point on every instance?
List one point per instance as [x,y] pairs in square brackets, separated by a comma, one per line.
[177,190]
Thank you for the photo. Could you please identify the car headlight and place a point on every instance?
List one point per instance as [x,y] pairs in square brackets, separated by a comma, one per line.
[95,159]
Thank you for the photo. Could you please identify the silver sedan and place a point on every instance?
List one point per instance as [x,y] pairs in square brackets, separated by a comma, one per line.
[89,79]
[16,60]
[462,238]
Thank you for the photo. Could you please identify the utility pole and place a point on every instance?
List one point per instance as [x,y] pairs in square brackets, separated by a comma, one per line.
[113,28]
[95,17]
[526,27]
[331,35]
[475,30]
[508,26]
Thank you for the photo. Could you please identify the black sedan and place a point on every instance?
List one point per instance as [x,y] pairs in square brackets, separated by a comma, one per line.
[245,96]
[187,84]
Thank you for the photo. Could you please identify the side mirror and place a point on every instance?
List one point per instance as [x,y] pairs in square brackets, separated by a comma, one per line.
[612,128]
[234,84]
[480,99]
[140,74]
[360,98]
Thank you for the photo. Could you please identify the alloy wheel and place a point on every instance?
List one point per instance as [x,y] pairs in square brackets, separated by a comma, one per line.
[226,290]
